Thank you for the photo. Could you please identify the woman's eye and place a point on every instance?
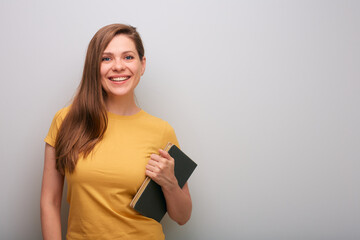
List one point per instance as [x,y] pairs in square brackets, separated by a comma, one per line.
[129,57]
[105,59]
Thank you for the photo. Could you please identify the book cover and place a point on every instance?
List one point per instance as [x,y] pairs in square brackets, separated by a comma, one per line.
[150,200]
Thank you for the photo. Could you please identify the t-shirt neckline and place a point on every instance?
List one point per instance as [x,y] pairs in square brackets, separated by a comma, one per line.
[133,116]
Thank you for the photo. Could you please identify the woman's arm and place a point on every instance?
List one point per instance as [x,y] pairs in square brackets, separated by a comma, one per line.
[51,195]
[178,201]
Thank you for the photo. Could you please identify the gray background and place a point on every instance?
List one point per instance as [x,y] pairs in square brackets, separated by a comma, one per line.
[263,95]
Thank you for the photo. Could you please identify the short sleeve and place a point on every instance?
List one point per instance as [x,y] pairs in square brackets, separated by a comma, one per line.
[169,135]
[55,125]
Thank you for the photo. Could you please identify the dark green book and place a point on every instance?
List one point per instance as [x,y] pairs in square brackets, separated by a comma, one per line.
[150,200]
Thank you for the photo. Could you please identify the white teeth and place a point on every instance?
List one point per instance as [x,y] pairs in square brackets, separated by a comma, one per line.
[118,79]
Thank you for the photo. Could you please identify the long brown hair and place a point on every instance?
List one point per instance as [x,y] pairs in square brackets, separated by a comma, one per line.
[86,122]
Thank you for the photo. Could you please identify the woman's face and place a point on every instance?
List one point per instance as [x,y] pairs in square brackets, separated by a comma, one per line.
[121,67]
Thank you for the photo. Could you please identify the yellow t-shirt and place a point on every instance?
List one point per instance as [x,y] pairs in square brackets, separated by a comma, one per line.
[104,183]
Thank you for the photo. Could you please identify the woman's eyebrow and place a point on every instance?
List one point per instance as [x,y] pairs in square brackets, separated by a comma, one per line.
[110,53]
[129,51]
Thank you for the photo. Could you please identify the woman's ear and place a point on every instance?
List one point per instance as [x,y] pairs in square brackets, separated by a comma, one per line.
[143,65]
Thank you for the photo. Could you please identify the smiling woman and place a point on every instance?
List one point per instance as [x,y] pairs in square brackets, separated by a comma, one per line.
[105,146]
[121,69]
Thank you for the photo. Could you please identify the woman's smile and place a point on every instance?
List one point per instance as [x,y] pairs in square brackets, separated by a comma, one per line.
[119,80]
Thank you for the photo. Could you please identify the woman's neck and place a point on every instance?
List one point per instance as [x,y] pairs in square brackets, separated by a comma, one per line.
[124,105]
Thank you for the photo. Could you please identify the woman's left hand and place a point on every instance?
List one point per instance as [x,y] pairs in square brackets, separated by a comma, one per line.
[160,168]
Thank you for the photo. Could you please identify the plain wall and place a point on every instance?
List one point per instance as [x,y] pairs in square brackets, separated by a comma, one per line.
[263,95]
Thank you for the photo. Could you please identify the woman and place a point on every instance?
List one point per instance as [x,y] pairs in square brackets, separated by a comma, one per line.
[105,145]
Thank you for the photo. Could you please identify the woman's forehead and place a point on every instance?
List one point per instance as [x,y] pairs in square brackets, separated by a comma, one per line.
[120,43]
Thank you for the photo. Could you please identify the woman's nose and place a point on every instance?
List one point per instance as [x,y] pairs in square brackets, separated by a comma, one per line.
[118,65]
